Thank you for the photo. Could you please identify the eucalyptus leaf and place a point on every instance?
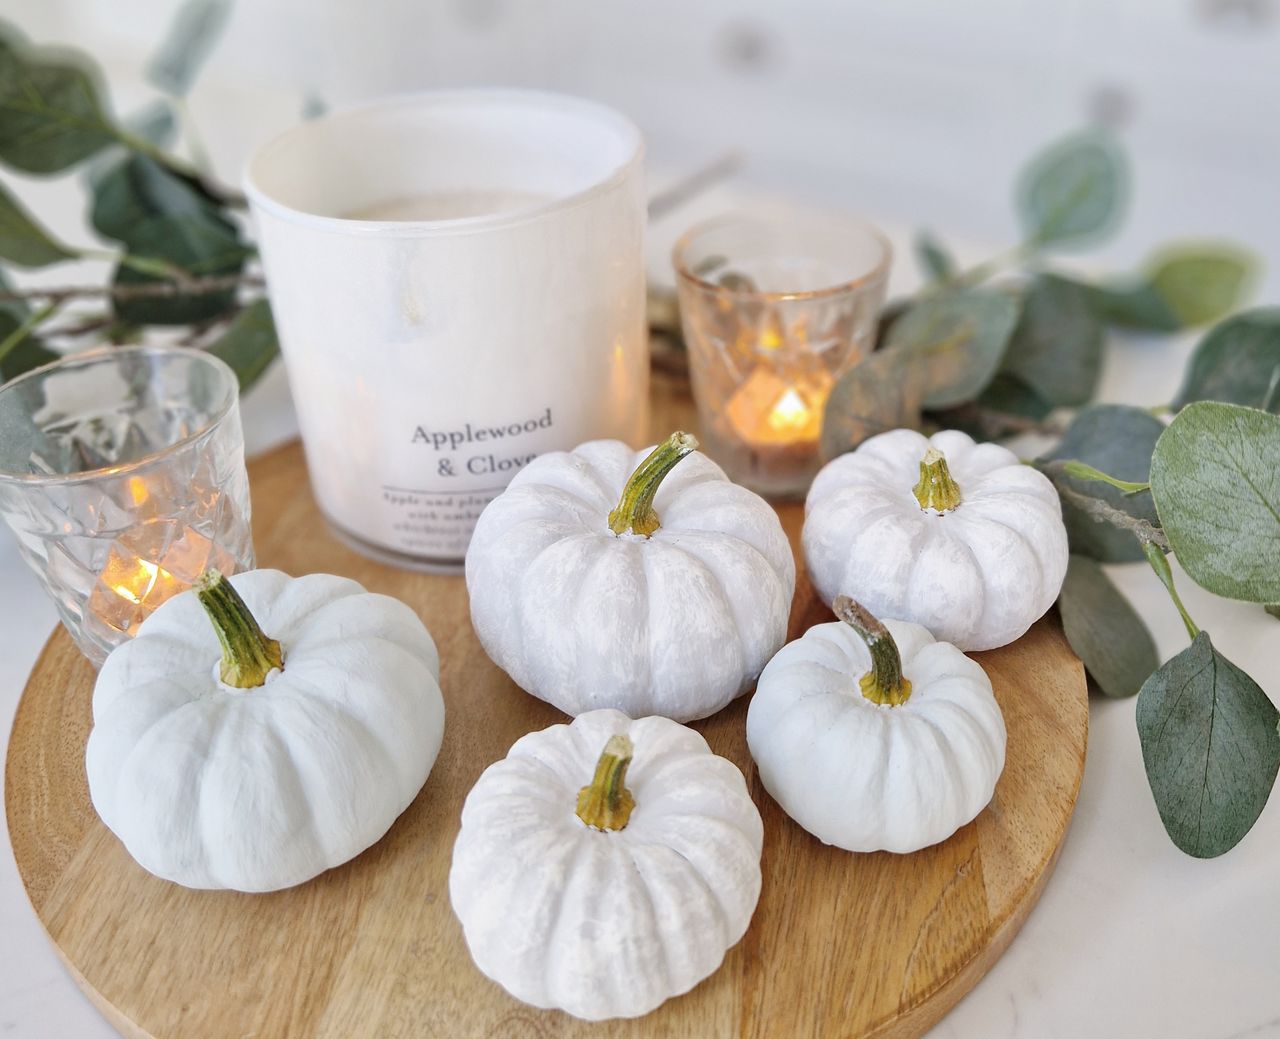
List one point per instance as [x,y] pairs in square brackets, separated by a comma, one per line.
[192,36]
[1237,362]
[956,341]
[1074,191]
[1105,631]
[1215,477]
[1009,395]
[1135,305]
[249,344]
[1056,348]
[1273,609]
[1118,439]
[881,393]
[197,246]
[933,257]
[23,241]
[27,353]
[1210,748]
[1202,282]
[140,189]
[51,116]
[154,123]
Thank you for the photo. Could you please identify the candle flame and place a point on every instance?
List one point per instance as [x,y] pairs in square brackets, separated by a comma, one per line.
[790,412]
[138,490]
[138,584]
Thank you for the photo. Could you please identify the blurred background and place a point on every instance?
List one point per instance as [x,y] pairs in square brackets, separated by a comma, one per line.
[916,113]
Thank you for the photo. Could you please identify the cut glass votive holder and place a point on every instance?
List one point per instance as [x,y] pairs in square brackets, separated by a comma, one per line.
[122,477]
[774,311]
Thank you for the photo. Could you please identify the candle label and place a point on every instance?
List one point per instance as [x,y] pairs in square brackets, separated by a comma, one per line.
[436,520]
[484,449]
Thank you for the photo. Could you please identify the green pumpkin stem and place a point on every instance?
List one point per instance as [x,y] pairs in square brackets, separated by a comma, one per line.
[936,489]
[606,803]
[635,513]
[884,684]
[248,656]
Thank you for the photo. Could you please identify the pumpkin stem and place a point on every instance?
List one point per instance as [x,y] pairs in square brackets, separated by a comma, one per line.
[936,489]
[884,684]
[635,513]
[248,656]
[605,803]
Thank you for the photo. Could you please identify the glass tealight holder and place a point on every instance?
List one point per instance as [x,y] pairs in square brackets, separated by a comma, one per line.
[774,312]
[122,476]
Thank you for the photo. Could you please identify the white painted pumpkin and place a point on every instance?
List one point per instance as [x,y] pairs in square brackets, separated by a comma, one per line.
[875,737]
[606,866]
[299,769]
[957,536]
[660,591]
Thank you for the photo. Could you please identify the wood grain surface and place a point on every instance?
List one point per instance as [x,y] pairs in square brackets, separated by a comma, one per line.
[841,944]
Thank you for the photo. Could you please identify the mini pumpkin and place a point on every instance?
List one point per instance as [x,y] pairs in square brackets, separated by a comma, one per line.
[642,581]
[225,758]
[606,866]
[957,536]
[872,736]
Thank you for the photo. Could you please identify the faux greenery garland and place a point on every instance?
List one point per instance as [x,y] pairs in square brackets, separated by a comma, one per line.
[1198,478]
[993,359]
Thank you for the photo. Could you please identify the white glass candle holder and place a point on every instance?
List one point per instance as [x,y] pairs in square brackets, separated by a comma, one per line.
[458,283]
[774,312]
[122,476]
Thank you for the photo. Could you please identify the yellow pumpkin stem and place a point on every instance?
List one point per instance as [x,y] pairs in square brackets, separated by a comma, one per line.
[635,513]
[248,655]
[884,684]
[606,803]
[936,489]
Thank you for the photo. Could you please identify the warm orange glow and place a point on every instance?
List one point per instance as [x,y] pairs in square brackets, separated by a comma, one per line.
[137,583]
[138,490]
[770,410]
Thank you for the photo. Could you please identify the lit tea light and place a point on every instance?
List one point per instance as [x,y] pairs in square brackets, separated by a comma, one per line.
[147,566]
[769,411]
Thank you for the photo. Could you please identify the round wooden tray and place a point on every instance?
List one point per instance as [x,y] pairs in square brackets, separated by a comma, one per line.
[841,944]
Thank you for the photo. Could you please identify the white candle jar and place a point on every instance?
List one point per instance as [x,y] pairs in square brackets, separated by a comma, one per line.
[458,284]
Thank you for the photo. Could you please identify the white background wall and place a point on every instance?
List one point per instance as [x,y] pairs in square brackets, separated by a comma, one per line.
[916,112]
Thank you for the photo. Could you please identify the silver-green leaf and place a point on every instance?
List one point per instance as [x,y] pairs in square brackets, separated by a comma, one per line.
[192,36]
[23,241]
[957,339]
[1105,631]
[1237,362]
[249,344]
[1074,191]
[1210,748]
[1056,348]
[1117,439]
[1202,281]
[933,257]
[51,116]
[1215,478]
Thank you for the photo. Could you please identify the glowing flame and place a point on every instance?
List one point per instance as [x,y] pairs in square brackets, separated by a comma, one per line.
[789,413]
[138,583]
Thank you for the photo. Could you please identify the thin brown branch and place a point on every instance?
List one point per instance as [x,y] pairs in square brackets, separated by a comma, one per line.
[195,286]
[1101,511]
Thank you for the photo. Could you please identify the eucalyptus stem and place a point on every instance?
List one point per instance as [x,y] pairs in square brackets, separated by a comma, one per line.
[635,513]
[219,192]
[248,655]
[1103,511]
[191,285]
[884,684]
[1081,471]
[605,803]
[33,319]
[981,272]
[1160,565]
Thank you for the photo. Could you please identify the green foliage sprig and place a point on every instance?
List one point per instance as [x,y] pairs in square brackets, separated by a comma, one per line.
[1005,347]
[174,234]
